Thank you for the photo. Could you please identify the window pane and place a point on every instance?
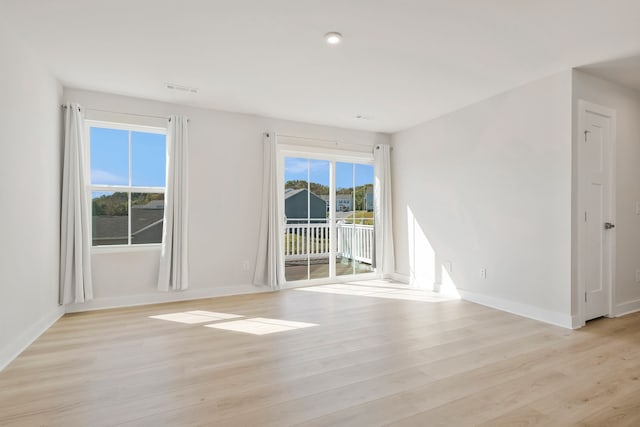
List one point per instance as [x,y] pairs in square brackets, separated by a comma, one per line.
[355,222]
[148,159]
[147,213]
[307,245]
[364,239]
[110,221]
[109,156]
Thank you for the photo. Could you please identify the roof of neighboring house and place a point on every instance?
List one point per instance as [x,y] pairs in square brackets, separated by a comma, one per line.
[115,228]
[292,192]
[153,204]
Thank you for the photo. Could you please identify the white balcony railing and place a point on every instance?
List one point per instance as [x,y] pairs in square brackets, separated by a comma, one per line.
[354,241]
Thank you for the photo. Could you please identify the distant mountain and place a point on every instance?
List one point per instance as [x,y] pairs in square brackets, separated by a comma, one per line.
[116,204]
[323,190]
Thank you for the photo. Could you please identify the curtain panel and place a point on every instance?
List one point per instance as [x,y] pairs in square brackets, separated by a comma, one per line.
[174,257]
[384,254]
[267,272]
[75,214]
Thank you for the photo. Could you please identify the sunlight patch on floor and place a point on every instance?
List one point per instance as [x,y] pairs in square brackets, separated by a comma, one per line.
[380,292]
[260,326]
[196,316]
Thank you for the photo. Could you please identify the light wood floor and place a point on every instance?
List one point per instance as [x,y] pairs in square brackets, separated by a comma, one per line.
[370,361]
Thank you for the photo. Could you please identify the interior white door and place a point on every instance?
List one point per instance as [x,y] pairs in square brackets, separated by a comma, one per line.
[598,227]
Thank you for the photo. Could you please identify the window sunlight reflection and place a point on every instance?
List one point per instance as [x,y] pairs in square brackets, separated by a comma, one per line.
[196,316]
[389,293]
[447,287]
[422,257]
[260,326]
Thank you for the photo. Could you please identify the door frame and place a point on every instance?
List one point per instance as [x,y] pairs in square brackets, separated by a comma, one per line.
[583,108]
[288,146]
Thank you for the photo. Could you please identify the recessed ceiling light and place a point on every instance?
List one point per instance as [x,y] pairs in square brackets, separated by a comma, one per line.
[333,38]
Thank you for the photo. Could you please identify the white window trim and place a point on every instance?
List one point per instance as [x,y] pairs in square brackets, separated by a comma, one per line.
[90,188]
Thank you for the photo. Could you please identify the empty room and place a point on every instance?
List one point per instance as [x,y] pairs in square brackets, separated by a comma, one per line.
[336,213]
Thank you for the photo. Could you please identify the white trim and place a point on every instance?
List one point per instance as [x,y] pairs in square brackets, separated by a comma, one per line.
[583,107]
[162,297]
[109,249]
[125,188]
[13,349]
[328,147]
[402,278]
[333,155]
[130,188]
[292,284]
[520,309]
[321,153]
[125,125]
[575,322]
[627,308]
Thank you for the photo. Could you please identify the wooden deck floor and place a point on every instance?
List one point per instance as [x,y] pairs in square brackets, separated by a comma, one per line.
[320,270]
[374,358]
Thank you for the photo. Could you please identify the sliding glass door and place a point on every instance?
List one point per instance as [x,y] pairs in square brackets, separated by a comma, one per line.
[307,242]
[328,219]
[354,219]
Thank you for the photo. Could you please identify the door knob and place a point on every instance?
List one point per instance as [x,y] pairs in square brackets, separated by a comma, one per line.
[608,225]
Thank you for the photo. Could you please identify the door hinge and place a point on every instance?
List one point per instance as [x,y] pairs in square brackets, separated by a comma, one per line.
[585,216]
[585,297]
[585,134]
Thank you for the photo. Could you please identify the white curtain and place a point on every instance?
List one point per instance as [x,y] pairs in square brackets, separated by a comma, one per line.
[385,261]
[75,220]
[174,257]
[267,272]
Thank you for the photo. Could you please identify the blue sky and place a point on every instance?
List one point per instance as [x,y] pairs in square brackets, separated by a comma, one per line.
[110,158]
[296,168]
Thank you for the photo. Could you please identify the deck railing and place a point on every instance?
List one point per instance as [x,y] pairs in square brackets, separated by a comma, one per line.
[355,241]
[302,240]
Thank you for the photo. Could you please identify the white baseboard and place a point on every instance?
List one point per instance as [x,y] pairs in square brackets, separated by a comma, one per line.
[627,308]
[575,322]
[524,310]
[401,278]
[160,297]
[13,349]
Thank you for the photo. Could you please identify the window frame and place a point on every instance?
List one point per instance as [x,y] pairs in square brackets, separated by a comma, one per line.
[129,189]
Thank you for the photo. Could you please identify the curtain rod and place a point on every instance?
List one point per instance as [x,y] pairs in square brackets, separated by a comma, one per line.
[127,114]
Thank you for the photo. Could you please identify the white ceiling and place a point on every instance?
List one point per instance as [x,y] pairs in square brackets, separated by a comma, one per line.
[402,61]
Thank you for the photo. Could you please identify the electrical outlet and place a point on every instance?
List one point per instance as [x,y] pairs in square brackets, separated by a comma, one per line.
[483,273]
[245,265]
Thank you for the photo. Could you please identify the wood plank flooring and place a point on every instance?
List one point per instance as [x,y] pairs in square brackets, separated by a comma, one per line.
[370,361]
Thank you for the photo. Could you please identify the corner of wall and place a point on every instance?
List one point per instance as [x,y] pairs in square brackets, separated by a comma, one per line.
[13,349]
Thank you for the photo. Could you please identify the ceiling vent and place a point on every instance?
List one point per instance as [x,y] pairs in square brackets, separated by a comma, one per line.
[181,88]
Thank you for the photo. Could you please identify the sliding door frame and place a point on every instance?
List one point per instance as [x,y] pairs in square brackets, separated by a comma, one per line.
[333,156]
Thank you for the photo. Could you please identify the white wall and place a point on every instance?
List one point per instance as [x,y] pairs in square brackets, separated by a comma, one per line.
[626,103]
[30,156]
[225,195]
[489,186]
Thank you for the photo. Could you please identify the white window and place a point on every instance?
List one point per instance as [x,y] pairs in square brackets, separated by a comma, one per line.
[127,166]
